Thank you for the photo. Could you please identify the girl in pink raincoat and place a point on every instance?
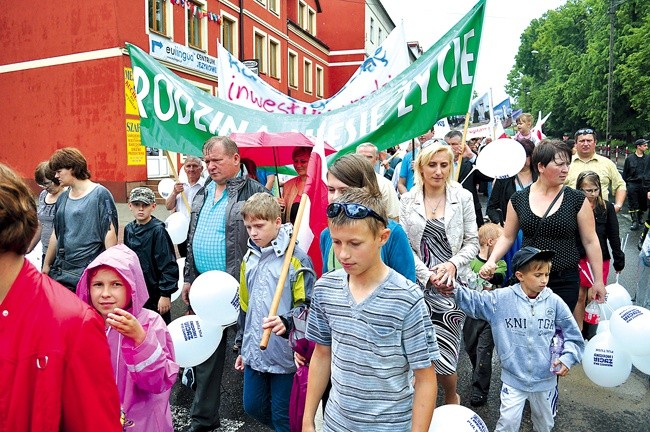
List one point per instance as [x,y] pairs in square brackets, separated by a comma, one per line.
[142,353]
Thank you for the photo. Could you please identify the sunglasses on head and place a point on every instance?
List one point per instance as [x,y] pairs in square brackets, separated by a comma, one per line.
[353,211]
[584,132]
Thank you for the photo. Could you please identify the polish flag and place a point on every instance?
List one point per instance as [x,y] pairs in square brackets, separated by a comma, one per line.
[536,132]
[499,132]
[314,220]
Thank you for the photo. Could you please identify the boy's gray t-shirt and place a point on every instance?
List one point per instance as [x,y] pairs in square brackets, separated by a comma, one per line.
[375,344]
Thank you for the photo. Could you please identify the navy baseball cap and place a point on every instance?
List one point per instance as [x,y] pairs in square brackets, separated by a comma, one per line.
[527,254]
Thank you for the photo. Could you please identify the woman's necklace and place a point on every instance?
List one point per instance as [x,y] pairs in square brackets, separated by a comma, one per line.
[435,208]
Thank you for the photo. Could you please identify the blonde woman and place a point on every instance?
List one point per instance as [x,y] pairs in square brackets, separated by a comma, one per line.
[440,222]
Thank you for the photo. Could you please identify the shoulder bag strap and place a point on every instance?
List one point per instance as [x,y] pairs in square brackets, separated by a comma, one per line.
[548,210]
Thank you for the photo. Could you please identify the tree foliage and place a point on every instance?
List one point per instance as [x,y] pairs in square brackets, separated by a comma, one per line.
[563,62]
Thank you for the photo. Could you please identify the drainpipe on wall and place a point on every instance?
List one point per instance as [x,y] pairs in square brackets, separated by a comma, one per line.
[241,29]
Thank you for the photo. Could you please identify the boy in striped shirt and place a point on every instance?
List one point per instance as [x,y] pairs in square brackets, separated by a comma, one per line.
[371,329]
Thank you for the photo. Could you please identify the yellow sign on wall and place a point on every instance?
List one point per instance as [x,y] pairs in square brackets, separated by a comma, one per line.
[129,93]
[136,153]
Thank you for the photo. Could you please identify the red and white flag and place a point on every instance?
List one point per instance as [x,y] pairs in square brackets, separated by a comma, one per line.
[314,219]
[536,132]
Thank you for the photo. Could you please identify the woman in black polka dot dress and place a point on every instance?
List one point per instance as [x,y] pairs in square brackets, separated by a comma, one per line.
[570,220]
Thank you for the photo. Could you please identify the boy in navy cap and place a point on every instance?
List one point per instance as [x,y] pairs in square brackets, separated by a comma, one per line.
[524,318]
[148,238]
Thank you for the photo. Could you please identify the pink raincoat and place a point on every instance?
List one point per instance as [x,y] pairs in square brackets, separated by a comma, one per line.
[144,374]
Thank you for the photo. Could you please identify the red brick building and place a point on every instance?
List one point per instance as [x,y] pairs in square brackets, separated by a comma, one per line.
[64,71]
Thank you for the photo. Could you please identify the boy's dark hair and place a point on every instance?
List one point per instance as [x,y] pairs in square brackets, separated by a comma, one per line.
[367,199]
[72,159]
[261,206]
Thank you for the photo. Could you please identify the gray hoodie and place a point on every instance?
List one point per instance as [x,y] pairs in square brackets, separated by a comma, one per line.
[522,329]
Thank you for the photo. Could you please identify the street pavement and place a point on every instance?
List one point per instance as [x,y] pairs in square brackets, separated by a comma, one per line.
[583,406]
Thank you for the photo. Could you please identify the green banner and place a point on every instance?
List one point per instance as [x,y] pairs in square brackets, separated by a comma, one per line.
[179,117]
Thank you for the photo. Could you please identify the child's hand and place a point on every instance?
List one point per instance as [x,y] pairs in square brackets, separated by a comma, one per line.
[164,304]
[239,364]
[299,360]
[275,324]
[185,294]
[564,371]
[126,324]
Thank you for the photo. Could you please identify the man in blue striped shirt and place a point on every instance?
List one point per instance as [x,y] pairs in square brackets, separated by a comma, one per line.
[371,328]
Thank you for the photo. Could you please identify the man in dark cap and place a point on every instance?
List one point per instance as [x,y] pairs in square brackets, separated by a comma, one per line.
[633,170]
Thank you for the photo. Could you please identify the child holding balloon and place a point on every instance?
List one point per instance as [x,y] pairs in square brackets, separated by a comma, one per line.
[148,238]
[142,353]
[524,318]
[268,374]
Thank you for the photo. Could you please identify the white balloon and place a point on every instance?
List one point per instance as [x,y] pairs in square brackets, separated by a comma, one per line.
[616,297]
[456,418]
[642,363]
[606,363]
[502,158]
[214,297]
[165,187]
[177,225]
[181,279]
[194,339]
[603,327]
[630,326]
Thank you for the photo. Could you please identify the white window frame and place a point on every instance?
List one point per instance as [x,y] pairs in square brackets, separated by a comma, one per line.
[274,7]
[308,86]
[302,14]
[235,33]
[203,22]
[263,57]
[278,58]
[320,81]
[296,69]
[311,21]
[169,20]
[372,30]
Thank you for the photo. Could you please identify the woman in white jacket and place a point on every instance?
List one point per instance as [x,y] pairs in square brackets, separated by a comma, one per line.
[439,219]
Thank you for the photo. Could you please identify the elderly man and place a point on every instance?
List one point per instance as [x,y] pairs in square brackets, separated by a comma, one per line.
[633,171]
[586,159]
[175,202]
[370,152]
[216,241]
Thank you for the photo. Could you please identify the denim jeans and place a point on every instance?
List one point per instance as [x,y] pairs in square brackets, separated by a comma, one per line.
[266,398]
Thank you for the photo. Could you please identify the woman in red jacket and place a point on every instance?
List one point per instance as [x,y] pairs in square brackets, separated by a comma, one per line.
[54,359]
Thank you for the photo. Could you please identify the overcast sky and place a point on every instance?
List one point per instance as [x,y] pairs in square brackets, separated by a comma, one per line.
[427,20]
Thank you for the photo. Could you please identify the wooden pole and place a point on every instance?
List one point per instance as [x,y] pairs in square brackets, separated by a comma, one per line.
[173,170]
[273,310]
[460,156]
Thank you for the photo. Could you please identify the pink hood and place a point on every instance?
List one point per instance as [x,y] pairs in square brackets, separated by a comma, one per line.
[144,374]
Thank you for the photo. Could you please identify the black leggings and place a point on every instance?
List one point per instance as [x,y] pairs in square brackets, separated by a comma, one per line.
[566,284]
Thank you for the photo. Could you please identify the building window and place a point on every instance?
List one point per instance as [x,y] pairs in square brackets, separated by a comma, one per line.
[274,58]
[260,51]
[293,69]
[158,16]
[320,82]
[194,26]
[229,34]
[302,15]
[311,21]
[372,29]
[274,6]
[379,35]
[309,85]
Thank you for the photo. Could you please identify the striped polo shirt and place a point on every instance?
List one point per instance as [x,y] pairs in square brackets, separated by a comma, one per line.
[374,346]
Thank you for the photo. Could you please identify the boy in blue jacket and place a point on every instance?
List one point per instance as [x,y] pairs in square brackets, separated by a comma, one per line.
[524,318]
